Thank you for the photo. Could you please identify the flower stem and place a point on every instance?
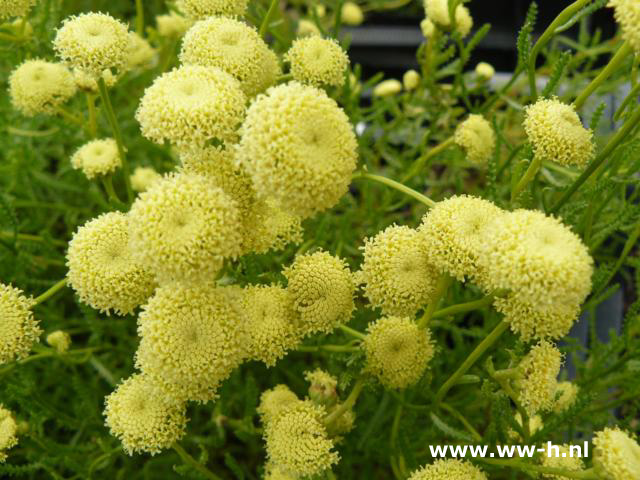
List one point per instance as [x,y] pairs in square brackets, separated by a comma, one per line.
[398,186]
[529,175]
[444,282]
[107,183]
[264,26]
[465,307]
[67,115]
[347,404]
[456,414]
[420,163]
[471,359]
[91,109]
[328,348]
[139,18]
[117,134]
[352,332]
[49,293]
[189,460]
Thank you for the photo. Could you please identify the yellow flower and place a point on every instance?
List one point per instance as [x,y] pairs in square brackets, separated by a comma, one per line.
[317,61]
[299,148]
[192,105]
[537,382]
[566,460]
[351,14]
[307,27]
[387,88]
[172,25]
[15,8]
[616,455]
[97,158]
[566,394]
[8,432]
[475,135]
[183,227]
[324,387]
[427,27]
[397,351]
[454,233]
[396,271]
[276,227]
[59,340]
[438,12]
[236,48]
[485,70]
[143,177]
[322,288]
[143,417]
[270,321]
[411,80]
[191,339]
[93,42]
[535,424]
[37,86]
[556,133]
[199,9]
[274,402]
[449,469]
[102,270]
[140,53]
[627,14]
[18,329]
[297,441]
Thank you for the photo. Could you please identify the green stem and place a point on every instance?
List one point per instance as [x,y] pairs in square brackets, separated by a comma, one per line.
[107,183]
[32,238]
[631,241]
[285,77]
[443,284]
[352,332]
[189,460]
[562,18]
[420,163]
[117,134]
[465,307]
[91,109]
[560,472]
[474,433]
[621,55]
[471,359]
[328,348]
[347,404]
[49,293]
[264,26]
[599,160]
[139,18]
[529,175]
[632,98]
[67,115]
[398,186]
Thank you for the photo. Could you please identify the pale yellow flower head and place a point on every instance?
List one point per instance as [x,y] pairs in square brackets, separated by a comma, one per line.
[397,351]
[566,394]
[351,14]
[571,463]
[8,432]
[270,322]
[616,455]
[143,177]
[143,417]
[299,148]
[485,70]
[274,402]
[297,441]
[537,382]
[93,42]
[323,388]
[475,135]
[18,329]
[37,86]
[271,472]
[102,269]
[192,105]
[15,8]
[397,274]
[438,12]
[97,158]
[236,48]
[386,88]
[556,133]
[322,289]
[306,28]
[535,424]
[199,9]
[276,227]
[427,27]
[172,25]
[453,234]
[140,53]
[411,80]
[627,14]
[191,339]
[183,227]
[449,469]
[59,340]
[318,61]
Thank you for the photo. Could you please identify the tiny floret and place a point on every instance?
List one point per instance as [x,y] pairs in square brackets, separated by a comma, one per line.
[18,329]
[97,158]
[143,177]
[15,8]
[485,70]
[537,382]
[411,80]
[59,340]
[627,14]
[386,88]
[198,9]
[8,432]
[397,351]
[352,14]
[449,469]
[318,61]
[274,402]
[616,455]
[475,135]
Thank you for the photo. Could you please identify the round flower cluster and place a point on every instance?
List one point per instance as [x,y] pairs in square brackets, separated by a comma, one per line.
[93,42]
[37,86]
[172,25]
[566,460]
[438,12]
[476,137]
[397,351]
[143,417]
[236,48]
[102,270]
[276,228]
[556,133]
[96,158]
[15,8]
[198,9]
[387,88]
[18,329]
[299,148]
[323,388]
[318,61]
[566,394]
[140,53]
[627,14]
[616,455]
[449,469]
[322,288]
[396,271]
[410,80]
[537,382]
[485,70]
[275,401]
[59,340]
[192,105]
[8,432]
[143,177]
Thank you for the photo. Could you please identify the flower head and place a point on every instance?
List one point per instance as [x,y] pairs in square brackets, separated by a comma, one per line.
[317,61]
[37,86]
[306,28]
[18,329]
[15,8]
[453,234]
[449,469]
[199,9]
[191,339]
[352,14]
[102,270]
[183,227]
[93,42]
[8,432]
[438,12]
[386,88]
[397,351]
[143,177]
[565,396]
[275,228]
[427,27]
[59,340]
[140,53]
[616,455]
[96,158]
[485,70]
[192,105]
[537,383]
[567,459]
[410,80]
[274,402]
[322,288]
[396,271]
[627,14]
[556,133]
[172,25]
[476,137]
[236,48]
[299,148]
[323,388]
[143,417]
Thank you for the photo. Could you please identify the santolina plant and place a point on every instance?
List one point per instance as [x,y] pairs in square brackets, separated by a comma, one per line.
[224,253]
